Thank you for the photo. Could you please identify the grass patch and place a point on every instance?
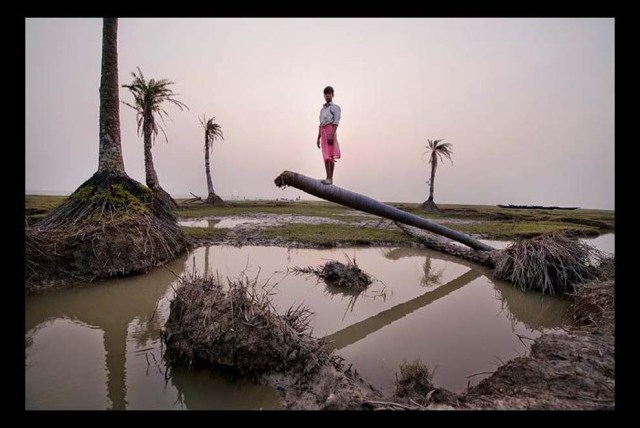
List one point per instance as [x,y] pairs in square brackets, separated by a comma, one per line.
[414,378]
[523,229]
[496,222]
[42,204]
[328,234]
[319,209]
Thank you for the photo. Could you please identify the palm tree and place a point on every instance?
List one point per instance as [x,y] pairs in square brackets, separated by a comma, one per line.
[149,97]
[111,225]
[110,155]
[441,151]
[212,132]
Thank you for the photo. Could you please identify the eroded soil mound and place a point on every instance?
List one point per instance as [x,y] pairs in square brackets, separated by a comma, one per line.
[564,371]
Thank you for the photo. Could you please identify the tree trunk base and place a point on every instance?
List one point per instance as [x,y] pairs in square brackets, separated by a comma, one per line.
[430,206]
[165,197]
[111,225]
[213,199]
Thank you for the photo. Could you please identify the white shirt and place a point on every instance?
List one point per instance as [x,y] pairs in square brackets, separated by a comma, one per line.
[330,113]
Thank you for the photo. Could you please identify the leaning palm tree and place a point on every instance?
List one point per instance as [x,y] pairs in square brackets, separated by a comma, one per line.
[111,225]
[550,263]
[437,150]
[212,132]
[149,97]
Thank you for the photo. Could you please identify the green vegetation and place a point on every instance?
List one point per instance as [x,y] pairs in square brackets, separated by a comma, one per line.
[527,229]
[329,234]
[42,203]
[493,222]
[117,197]
[319,209]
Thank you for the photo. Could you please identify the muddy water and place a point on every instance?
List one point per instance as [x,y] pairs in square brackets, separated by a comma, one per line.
[98,346]
[424,305]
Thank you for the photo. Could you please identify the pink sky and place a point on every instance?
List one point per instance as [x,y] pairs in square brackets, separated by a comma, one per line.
[528,104]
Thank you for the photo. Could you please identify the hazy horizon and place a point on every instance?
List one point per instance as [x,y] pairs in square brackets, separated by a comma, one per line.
[527,103]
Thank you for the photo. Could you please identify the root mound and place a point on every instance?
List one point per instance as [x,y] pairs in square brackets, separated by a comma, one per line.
[551,263]
[238,329]
[111,225]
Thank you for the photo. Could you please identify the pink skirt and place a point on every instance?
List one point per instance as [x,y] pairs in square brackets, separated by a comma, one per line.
[329,152]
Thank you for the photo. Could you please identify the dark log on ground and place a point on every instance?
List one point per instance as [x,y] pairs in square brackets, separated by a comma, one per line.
[364,203]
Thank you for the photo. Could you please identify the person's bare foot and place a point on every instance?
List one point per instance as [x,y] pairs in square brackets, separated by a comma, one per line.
[327,181]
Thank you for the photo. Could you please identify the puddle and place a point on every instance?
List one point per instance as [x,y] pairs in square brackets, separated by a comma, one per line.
[98,346]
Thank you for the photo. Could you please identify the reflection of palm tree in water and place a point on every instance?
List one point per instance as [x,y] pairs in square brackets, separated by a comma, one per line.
[535,310]
[430,278]
[111,307]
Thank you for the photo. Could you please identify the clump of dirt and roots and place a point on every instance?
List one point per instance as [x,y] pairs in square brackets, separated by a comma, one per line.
[111,225]
[234,328]
[414,379]
[553,263]
[594,306]
[347,276]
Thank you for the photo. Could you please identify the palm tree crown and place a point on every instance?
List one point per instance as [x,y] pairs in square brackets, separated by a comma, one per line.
[213,131]
[437,149]
[149,97]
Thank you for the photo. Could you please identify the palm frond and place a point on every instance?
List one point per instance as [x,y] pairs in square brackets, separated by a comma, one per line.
[437,150]
[149,96]
[213,131]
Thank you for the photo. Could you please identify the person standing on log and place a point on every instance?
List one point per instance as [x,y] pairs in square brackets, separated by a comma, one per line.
[327,136]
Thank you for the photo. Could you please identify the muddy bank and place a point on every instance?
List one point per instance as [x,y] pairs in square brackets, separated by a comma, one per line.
[573,371]
[570,371]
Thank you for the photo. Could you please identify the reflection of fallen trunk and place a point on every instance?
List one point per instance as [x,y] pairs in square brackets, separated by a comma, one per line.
[360,330]
[399,253]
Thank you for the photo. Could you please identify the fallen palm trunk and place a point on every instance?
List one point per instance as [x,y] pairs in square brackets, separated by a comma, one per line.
[439,244]
[551,263]
[364,203]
